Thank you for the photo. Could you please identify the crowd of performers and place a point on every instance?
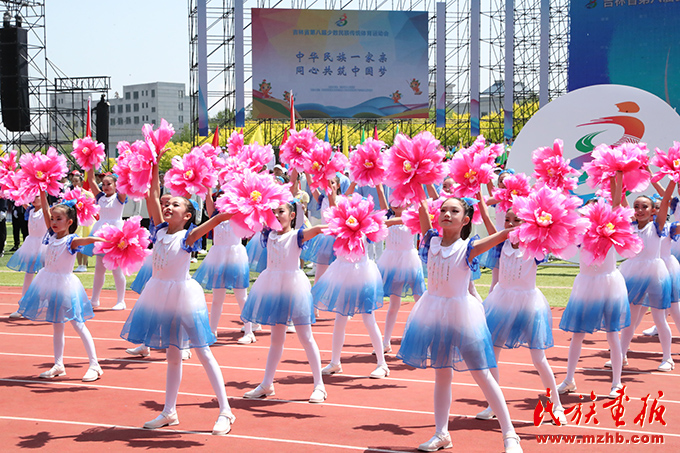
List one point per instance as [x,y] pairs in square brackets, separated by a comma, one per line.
[431,203]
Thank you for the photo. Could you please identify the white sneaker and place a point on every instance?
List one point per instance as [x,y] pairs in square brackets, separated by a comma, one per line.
[223,424]
[56,370]
[566,387]
[332,368]
[651,332]
[203,252]
[290,328]
[256,327]
[260,392]
[80,268]
[16,315]
[666,365]
[486,414]
[93,374]
[615,392]
[380,372]
[319,395]
[608,363]
[162,420]
[511,444]
[437,442]
[194,260]
[95,303]
[119,306]
[247,339]
[386,349]
[559,415]
[141,350]
[186,354]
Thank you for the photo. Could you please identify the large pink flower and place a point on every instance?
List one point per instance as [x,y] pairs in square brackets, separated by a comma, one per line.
[551,169]
[235,144]
[133,167]
[352,220]
[323,164]
[515,186]
[250,197]
[367,164]
[8,168]
[411,216]
[608,227]
[669,164]
[412,163]
[298,147]
[631,159]
[191,174]
[232,166]
[551,223]
[255,156]
[156,140]
[86,206]
[43,171]
[88,153]
[470,170]
[492,151]
[125,248]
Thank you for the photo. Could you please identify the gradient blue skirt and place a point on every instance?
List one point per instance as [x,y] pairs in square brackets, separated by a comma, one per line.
[27,259]
[402,273]
[648,283]
[319,250]
[257,255]
[349,288]
[443,332]
[518,317]
[143,275]
[56,298]
[489,259]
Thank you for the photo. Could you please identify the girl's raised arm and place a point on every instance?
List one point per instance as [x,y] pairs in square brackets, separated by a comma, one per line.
[295,187]
[382,199]
[484,211]
[424,216]
[309,233]
[94,188]
[202,229]
[350,189]
[482,245]
[153,201]
[45,209]
[209,203]
[665,202]
[616,185]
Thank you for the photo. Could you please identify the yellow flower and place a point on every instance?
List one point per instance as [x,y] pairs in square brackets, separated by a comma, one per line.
[545,219]
[351,222]
[189,174]
[471,176]
[676,163]
[316,166]
[408,166]
[369,164]
[122,244]
[39,174]
[255,196]
[609,227]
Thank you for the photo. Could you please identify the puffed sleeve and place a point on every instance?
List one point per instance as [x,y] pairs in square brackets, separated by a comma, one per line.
[301,239]
[425,244]
[71,250]
[474,263]
[264,236]
[190,248]
[156,230]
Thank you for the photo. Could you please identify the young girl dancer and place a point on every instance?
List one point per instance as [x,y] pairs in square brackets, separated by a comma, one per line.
[490,259]
[282,295]
[518,313]
[56,295]
[400,267]
[647,279]
[446,329]
[110,213]
[320,250]
[225,267]
[598,301]
[30,257]
[171,312]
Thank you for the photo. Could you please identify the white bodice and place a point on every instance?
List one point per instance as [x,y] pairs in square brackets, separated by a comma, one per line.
[651,243]
[110,208]
[516,271]
[170,261]
[58,258]
[36,224]
[447,269]
[399,238]
[666,244]
[283,253]
[606,267]
[224,235]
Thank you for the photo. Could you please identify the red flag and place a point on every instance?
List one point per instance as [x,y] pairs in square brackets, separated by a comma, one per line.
[88,127]
[292,112]
[375,132]
[216,137]
[285,137]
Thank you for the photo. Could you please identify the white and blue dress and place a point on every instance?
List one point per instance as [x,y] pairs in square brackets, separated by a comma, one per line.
[489,259]
[599,299]
[110,213]
[647,279]
[670,260]
[282,293]
[257,253]
[319,249]
[517,312]
[400,265]
[144,273]
[226,264]
[447,328]
[30,257]
[171,309]
[55,294]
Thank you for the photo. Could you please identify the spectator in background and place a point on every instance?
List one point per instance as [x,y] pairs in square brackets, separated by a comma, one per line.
[19,224]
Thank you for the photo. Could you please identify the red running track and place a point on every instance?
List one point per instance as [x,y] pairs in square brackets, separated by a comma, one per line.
[361,414]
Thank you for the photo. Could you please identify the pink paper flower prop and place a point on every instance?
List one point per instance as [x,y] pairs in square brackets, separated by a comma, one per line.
[608,227]
[88,153]
[191,174]
[411,216]
[352,220]
[235,144]
[323,164]
[250,197]
[631,159]
[8,168]
[551,169]
[231,167]
[411,163]
[470,170]
[86,207]
[298,147]
[42,172]
[133,167]
[551,223]
[126,247]
[492,151]
[515,186]
[157,139]
[255,156]
[669,163]
[367,163]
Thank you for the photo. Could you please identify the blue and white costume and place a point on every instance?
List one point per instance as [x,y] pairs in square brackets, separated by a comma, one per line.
[670,260]
[30,257]
[110,213]
[257,253]
[226,265]
[400,265]
[319,249]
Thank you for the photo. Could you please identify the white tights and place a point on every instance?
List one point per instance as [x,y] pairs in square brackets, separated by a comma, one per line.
[615,355]
[373,333]
[278,337]
[174,378]
[492,392]
[544,371]
[28,278]
[391,317]
[98,284]
[219,294]
[85,336]
[659,316]
[675,314]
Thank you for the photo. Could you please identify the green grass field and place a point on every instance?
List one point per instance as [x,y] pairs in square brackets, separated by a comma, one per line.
[554,279]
